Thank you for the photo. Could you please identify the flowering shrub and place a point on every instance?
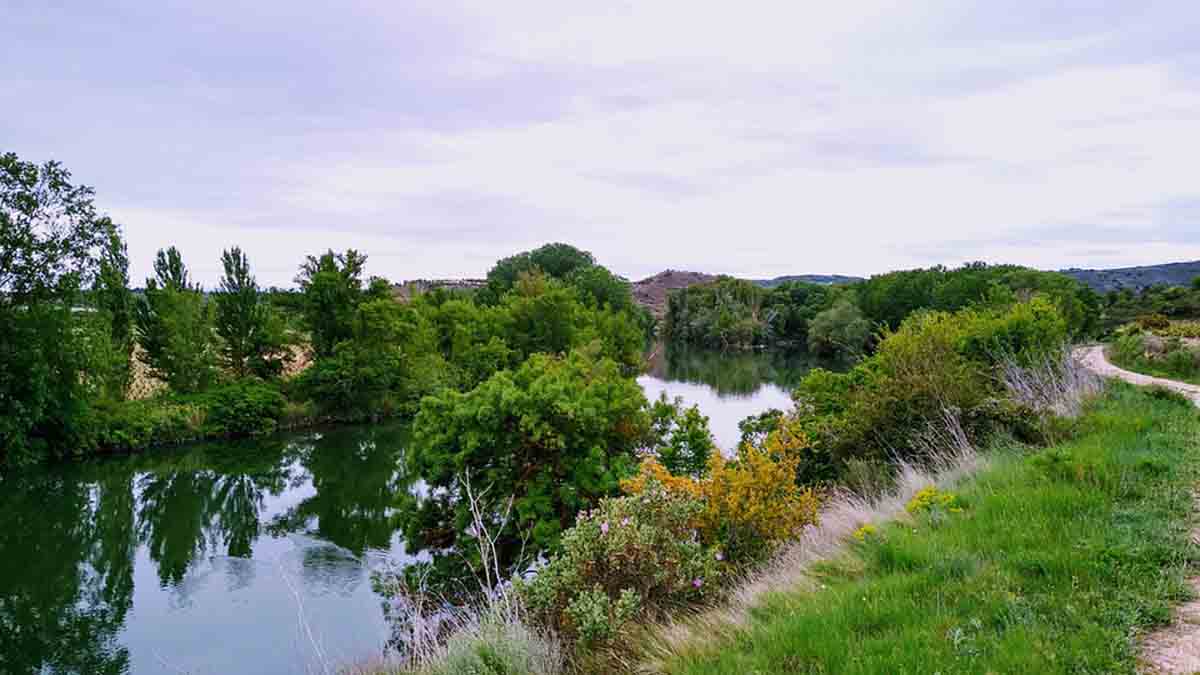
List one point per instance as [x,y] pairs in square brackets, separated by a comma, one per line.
[749,505]
[1153,321]
[930,499]
[865,532]
[629,556]
[1180,329]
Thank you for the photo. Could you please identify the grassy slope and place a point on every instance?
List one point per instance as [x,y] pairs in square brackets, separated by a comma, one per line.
[1057,562]
[1148,368]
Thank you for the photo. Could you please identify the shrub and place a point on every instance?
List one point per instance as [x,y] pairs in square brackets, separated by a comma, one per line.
[246,408]
[630,557]
[750,505]
[1181,329]
[840,330]
[684,441]
[1027,332]
[137,425]
[935,361]
[1162,393]
[1179,360]
[1129,348]
[1153,321]
[930,499]
[557,434]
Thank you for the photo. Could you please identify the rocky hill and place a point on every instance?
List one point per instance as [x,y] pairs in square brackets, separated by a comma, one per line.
[651,292]
[1137,278]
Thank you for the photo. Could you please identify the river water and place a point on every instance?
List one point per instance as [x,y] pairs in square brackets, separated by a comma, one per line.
[250,557]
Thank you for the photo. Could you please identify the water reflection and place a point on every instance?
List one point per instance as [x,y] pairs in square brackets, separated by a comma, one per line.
[733,373]
[728,386]
[79,545]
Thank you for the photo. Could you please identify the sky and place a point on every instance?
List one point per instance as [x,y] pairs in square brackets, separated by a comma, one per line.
[751,138]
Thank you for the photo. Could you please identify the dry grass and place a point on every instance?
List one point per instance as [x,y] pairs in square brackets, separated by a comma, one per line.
[435,637]
[143,384]
[1059,383]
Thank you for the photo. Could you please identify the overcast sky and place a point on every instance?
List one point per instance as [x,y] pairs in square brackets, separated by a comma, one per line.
[753,138]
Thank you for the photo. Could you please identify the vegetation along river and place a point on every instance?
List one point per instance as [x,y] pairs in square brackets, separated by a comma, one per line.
[251,556]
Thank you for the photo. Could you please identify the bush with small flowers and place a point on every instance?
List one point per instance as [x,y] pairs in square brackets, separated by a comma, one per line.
[628,558]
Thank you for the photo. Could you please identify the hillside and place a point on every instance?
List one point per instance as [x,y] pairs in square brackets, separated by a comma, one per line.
[827,279]
[651,292]
[1137,278]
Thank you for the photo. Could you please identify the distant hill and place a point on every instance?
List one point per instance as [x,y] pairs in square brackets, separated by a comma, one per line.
[651,292]
[1137,278]
[827,279]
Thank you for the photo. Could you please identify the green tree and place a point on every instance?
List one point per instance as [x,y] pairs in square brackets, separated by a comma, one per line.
[387,363]
[557,434]
[332,288]
[601,288]
[50,236]
[840,330]
[175,327]
[112,296]
[557,261]
[684,442]
[253,339]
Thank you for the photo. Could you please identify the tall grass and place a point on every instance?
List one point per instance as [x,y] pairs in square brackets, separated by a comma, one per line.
[490,637]
[1056,383]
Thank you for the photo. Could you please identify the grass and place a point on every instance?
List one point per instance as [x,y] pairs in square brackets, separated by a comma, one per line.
[1057,561]
[1155,368]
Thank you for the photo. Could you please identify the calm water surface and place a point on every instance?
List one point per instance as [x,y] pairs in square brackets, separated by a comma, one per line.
[251,557]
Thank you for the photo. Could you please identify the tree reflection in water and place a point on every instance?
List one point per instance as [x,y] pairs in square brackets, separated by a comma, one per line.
[70,535]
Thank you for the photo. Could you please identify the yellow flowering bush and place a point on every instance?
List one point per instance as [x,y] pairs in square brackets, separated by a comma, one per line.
[749,505]
[865,532]
[931,499]
[1180,329]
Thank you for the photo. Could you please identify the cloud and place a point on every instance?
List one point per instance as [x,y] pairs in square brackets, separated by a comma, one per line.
[756,139]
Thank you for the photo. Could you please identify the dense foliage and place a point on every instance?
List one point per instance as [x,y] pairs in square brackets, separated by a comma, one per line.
[253,338]
[1173,303]
[935,361]
[175,327]
[557,434]
[1145,352]
[748,505]
[628,558]
[50,242]
[844,320]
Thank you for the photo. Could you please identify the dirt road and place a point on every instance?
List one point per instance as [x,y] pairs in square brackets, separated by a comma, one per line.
[1095,360]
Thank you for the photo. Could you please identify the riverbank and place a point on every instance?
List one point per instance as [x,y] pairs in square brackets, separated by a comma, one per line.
[1046,561]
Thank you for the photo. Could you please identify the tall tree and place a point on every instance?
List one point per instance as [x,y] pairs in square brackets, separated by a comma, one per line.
[113,298]
[332,288]
[49,238]
[252,337]
[175,327]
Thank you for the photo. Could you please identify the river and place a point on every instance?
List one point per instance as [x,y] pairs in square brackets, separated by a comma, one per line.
[250,557]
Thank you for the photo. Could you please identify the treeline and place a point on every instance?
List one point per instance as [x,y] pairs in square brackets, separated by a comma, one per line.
[75,336]
[845,320]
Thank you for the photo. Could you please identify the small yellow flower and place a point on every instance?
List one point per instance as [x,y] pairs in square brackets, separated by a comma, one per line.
[930,498]
[865,531]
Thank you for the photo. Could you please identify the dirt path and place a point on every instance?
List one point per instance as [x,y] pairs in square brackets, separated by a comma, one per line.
[1095,360]
[1175,648]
